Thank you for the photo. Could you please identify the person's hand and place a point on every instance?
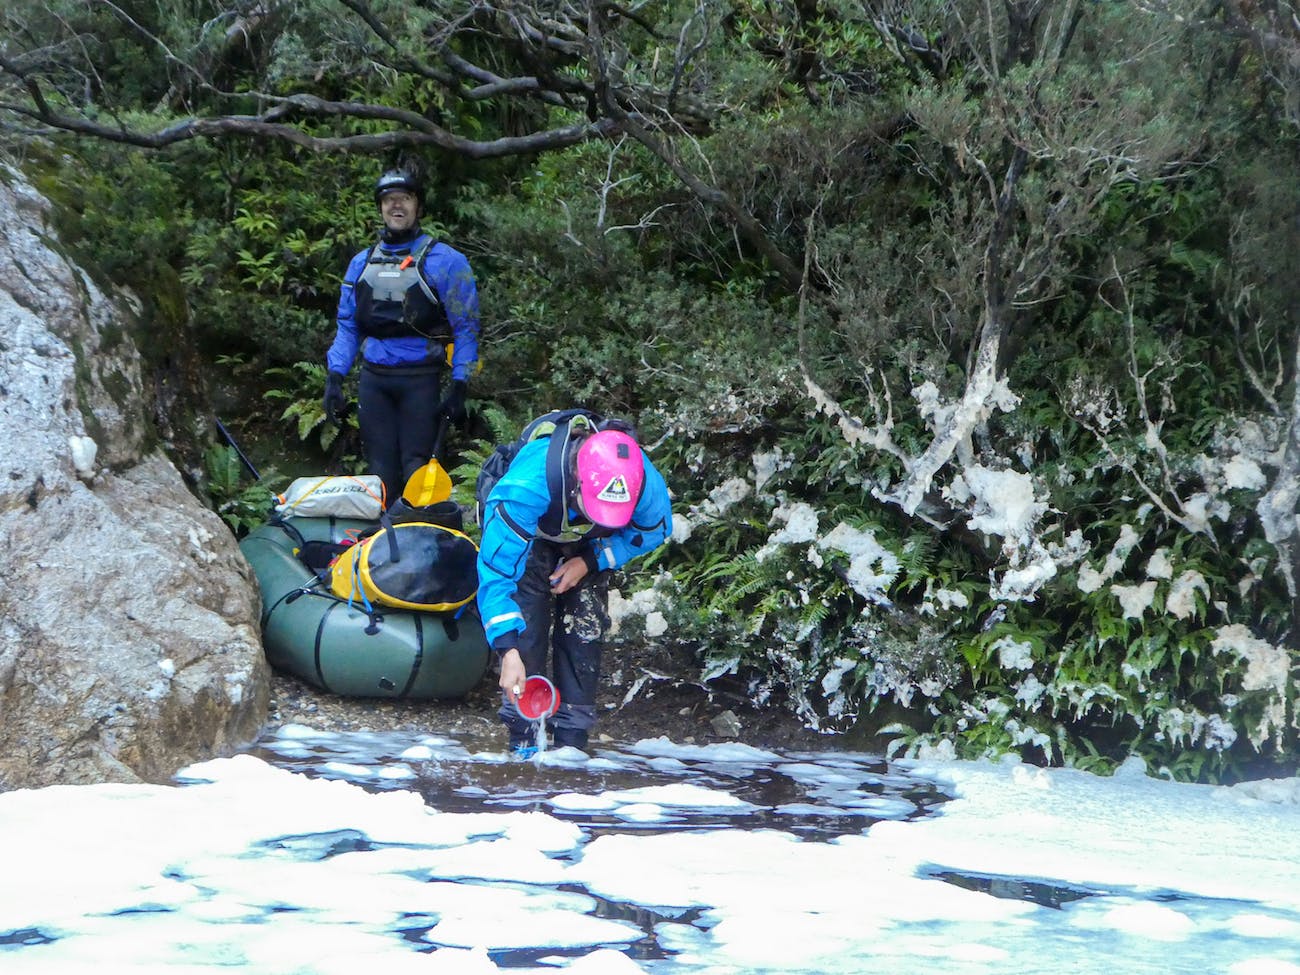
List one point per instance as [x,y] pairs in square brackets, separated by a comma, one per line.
[453,406]
[333,402]
[513,674]
[568,574]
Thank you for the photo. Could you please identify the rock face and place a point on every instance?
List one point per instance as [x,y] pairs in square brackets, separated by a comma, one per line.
[129,642]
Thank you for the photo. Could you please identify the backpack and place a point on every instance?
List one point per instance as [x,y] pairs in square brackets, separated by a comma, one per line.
[562,427]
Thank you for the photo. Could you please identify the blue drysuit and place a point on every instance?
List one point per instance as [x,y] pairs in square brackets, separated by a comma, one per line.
[518,609]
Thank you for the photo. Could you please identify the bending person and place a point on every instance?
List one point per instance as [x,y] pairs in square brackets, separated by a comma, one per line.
[560,519]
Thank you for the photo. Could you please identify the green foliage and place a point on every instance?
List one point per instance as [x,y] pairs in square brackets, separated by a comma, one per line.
[263,264]
[501,429]
[242,506]
[1075,677]
[1141,267]
[302,389]
[122,215]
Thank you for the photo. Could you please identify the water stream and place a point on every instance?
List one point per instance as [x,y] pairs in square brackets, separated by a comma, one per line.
[333,854]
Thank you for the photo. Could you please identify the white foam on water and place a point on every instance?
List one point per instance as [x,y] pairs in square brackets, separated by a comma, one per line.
[248,867]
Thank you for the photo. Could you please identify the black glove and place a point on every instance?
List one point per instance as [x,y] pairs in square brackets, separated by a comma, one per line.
[453,407]
[333,402]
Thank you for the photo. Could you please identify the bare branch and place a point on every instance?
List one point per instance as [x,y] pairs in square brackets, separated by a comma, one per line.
[744,222]
[1155,497]
[853,429]
[1178,513]
[493,86]
[268,125]
[686,53]
[577,57]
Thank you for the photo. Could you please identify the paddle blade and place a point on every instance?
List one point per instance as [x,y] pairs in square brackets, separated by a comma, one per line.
[429,485]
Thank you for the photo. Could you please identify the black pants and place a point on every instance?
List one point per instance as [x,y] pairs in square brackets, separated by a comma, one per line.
[396,411]
[573,626]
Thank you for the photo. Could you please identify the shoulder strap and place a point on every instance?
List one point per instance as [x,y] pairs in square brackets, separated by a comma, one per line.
[557,478]
[559,481]
[553,518]
[377,256]
[425,284]
[561,427]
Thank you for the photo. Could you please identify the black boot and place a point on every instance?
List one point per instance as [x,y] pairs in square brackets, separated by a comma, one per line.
[571,736]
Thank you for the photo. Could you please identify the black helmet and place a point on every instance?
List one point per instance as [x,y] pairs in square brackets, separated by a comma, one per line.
[397,179]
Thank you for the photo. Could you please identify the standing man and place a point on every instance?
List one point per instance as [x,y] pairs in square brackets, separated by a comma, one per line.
[403,302]
[570,508]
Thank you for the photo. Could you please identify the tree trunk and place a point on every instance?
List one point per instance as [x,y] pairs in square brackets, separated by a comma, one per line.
[1277,508]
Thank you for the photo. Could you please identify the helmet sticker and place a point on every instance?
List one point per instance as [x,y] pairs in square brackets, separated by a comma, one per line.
[615,491]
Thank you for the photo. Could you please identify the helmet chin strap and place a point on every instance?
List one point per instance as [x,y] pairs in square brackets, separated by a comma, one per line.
[390,236]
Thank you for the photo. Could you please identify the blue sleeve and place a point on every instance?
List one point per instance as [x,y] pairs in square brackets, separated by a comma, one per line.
[451,274]
[347,342]
[652,523]
[510,519]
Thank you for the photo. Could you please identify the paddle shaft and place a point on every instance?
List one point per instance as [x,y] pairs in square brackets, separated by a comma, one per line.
[221,427]
[439,438]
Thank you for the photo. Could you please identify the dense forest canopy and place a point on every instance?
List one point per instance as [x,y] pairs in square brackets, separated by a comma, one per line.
[967,333]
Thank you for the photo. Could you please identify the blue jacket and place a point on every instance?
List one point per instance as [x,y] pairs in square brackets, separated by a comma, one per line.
[503,552]
[449,273]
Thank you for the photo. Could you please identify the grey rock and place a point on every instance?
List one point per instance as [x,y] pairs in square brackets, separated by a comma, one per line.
[129,640]
[726,725]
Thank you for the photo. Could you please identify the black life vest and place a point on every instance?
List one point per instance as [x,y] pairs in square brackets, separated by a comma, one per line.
[395,300]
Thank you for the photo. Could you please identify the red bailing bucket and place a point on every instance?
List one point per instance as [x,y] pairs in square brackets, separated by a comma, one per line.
[539,699]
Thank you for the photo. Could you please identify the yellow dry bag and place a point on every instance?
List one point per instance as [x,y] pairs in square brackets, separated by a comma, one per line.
[412,565]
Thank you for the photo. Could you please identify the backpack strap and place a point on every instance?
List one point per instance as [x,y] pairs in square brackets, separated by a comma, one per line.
[386,522]
[572,426]
[558,481]
[564,429]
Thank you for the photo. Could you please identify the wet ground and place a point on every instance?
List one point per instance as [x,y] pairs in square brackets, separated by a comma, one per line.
[815,794]
[644,694]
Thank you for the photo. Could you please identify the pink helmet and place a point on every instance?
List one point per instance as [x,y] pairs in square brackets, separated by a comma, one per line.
[610,475]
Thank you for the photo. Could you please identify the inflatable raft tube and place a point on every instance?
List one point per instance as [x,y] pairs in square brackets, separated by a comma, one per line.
[345,649]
